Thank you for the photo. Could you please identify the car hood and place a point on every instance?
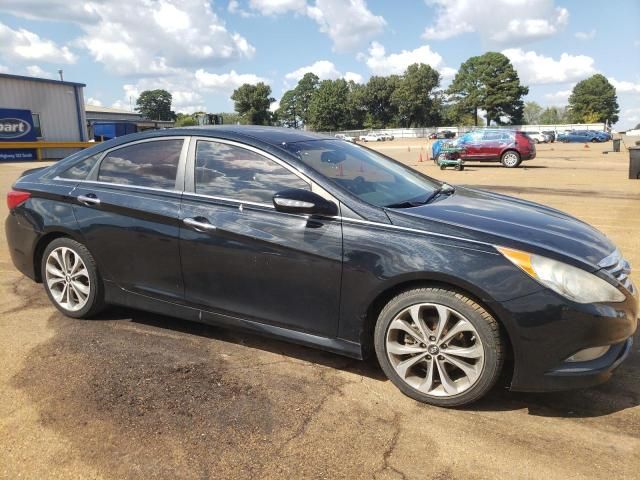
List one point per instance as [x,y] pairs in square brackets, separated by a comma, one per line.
[502,220]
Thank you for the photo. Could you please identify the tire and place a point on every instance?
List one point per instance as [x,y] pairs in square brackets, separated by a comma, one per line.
[458,167]
[478,333]
[510,159]
[442,167]
[536,141]
[76,295]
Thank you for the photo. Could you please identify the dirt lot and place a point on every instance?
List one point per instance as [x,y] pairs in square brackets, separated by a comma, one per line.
[134,395]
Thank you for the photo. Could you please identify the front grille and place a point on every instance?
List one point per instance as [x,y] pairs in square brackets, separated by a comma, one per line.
[618,268]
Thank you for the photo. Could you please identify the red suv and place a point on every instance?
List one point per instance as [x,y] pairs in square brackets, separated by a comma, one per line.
[510,147]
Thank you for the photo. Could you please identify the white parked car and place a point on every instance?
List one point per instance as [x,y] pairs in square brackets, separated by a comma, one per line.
[371,137]
[633,133]
[538,137]
[386,136]
[346,138]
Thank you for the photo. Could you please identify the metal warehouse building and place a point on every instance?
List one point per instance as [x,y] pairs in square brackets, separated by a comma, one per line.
[57,107]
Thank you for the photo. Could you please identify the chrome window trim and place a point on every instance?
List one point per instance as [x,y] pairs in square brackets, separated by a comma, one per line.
[109,184]
[95,171]
[226,199]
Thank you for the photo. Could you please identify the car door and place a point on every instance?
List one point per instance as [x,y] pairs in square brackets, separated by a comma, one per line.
[472,144]
[241,257]
[128,212]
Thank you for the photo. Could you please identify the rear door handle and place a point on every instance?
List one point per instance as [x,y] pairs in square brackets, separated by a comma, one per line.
[199,225]
[89,200]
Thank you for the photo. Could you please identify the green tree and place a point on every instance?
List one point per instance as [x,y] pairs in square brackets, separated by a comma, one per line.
[532,112]
[552,116]
[356,105]
[185,120]
[594,100]
[287,113]
[381,111]
[252,103]
[155,105]
[329,107]
[415,97]
[304,92]
[489,82]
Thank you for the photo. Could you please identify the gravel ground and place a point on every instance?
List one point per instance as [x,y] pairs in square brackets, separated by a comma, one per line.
[137,395]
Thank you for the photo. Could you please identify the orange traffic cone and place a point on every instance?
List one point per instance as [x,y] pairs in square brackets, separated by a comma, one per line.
[586,145]
[409,148]
[420,159]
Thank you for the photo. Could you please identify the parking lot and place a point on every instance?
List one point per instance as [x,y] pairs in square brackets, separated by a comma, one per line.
[137,395]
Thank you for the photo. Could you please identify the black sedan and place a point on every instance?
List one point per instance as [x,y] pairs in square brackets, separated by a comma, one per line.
[332,245]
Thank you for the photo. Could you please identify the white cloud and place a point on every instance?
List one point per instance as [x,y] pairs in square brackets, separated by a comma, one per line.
[535,69]
[629,118]
[624,86]
[324,69]
[559,97]
[225,81]
[36,71]
[23,45]
[188,89]
[4,69]
[349,23]
[353,77]
[590,35]
[146,37]
[278,7]
[498,21]
[234,8]
[94,101]
[396,63]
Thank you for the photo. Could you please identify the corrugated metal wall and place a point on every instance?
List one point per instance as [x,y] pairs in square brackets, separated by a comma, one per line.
[56,104]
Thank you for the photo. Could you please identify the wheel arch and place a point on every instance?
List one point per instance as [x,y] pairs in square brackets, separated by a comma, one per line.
[403,284]
[41,245]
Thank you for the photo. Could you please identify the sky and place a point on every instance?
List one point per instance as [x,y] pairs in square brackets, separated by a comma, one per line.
[201,50]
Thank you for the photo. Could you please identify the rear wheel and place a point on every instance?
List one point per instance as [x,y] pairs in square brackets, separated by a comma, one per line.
[439,347]
[71,278]
[510,159]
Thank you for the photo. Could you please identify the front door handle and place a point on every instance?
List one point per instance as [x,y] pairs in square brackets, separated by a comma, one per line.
[199,225]
[89,200]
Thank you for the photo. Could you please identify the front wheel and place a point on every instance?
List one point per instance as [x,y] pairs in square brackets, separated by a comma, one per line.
[71,278]
[510,159]
[439,347]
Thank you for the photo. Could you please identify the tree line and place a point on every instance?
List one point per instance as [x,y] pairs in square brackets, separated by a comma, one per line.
[488,83]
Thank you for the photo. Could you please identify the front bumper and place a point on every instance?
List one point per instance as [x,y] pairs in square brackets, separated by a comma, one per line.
[546,329]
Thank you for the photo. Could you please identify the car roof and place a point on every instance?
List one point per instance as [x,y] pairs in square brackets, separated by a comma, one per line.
[274,136]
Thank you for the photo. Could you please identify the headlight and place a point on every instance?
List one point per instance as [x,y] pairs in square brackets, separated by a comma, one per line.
[571,282]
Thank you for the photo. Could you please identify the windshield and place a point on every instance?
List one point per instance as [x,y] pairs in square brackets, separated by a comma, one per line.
[371,177]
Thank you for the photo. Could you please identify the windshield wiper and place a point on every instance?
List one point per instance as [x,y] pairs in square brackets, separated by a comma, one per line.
[444,189]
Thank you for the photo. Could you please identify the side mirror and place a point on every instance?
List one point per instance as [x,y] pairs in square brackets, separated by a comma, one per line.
[304,202]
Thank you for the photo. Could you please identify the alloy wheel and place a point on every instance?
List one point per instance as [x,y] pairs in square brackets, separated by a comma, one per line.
[67,278]
[435,349]
[510,159]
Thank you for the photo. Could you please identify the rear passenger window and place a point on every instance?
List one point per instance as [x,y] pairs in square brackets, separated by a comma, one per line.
[227,171]
[147,164]
[81,169]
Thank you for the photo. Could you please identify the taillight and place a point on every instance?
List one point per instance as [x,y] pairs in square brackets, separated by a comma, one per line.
[15,198]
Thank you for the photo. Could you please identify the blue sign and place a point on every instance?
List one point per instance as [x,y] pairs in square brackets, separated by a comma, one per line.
[17,126]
